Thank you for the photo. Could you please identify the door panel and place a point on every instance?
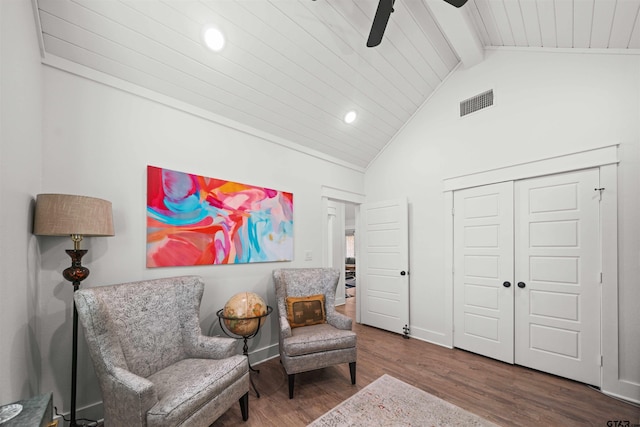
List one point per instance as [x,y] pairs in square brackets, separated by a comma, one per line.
[552,342]
[483,260]
[385,291]
[557,315]
[554,233]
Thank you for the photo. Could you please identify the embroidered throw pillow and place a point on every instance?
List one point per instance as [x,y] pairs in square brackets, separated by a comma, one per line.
[305,311]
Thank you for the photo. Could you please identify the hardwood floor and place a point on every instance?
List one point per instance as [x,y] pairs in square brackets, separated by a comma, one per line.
[505,394]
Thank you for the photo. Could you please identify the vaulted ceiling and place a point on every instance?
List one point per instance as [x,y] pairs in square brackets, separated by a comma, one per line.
[291,69]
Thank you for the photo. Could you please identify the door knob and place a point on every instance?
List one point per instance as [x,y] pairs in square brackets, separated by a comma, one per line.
[521,285]
[403,273]
[507,284]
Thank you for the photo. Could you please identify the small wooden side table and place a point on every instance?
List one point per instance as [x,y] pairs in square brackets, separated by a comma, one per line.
[245,347]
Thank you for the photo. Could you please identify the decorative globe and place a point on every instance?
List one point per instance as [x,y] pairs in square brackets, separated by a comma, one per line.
[238,308]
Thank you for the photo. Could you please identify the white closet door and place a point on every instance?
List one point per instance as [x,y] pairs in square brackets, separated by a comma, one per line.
[557,296]
[483,270]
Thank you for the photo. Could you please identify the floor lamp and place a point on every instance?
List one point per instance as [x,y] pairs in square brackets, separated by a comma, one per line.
[75,216]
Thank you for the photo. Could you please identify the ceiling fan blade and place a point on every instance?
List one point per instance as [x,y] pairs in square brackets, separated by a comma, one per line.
[385,7]
[456,3]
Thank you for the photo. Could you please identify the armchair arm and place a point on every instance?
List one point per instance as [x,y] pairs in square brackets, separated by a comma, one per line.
[339,320]
[212,347]
[285,328]
[130,398]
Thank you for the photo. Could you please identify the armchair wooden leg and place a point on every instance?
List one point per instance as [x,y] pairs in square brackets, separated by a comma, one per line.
[352,371]
[292,378]
[244,406]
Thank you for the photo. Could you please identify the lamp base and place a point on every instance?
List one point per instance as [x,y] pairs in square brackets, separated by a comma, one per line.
[76,273]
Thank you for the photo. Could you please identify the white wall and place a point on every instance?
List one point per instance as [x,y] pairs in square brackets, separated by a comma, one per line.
[98,141]
[20,177]
[546,104]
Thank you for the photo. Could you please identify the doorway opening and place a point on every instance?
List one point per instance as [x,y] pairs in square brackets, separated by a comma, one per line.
[338,205]
[350,276]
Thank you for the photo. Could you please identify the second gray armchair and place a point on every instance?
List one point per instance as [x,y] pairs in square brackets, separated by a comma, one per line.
[313,334]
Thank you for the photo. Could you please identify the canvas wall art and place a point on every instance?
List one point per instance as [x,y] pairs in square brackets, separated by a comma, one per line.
[196,220]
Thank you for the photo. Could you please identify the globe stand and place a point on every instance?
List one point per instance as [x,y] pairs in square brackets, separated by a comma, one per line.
[245,337]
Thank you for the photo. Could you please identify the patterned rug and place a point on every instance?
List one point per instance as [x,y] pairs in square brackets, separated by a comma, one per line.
[390,402]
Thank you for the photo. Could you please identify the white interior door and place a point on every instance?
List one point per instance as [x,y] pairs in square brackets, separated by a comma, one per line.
[383,273]
[558,272]
[483,270]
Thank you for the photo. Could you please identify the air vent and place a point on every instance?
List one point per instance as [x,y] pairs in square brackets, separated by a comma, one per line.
[478,102]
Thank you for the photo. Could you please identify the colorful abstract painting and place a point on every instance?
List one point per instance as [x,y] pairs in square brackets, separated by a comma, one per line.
[195,220]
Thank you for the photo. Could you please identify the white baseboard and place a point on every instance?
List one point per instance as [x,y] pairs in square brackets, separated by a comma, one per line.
[93,412]
[622,390]
[263,354]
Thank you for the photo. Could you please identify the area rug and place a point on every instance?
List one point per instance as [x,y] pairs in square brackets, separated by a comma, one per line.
[390,402]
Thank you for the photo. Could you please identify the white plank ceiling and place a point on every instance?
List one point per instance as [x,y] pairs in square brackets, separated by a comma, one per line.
[291,69]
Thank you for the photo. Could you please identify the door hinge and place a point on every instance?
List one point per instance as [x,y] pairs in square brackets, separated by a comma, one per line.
[599,190]
[406,332]
[453,211]
[601,360]
[601,277]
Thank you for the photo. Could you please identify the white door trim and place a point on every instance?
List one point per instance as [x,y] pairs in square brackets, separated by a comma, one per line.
[596,157]
[612,383]
[333,193]
[342,195]
[335,245]
[605,158]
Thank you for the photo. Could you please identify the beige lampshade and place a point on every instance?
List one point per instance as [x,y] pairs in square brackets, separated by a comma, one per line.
[65,215]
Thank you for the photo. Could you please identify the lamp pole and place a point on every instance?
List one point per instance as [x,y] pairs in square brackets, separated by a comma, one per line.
[75,274]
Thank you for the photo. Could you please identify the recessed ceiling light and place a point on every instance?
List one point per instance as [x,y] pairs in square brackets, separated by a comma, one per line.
[350,117]
[214,39]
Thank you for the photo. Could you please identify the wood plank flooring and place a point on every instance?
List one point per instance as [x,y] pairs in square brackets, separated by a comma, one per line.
[504,394]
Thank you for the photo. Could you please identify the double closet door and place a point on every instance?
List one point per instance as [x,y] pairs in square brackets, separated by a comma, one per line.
[527,273]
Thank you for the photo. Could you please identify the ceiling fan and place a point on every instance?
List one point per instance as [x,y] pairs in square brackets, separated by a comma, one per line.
[383,13]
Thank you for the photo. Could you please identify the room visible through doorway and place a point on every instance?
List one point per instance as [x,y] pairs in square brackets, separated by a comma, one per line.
[350,251]
[350,264]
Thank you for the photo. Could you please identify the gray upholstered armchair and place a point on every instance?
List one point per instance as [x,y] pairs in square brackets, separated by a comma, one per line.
[154,366]
[310,340]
